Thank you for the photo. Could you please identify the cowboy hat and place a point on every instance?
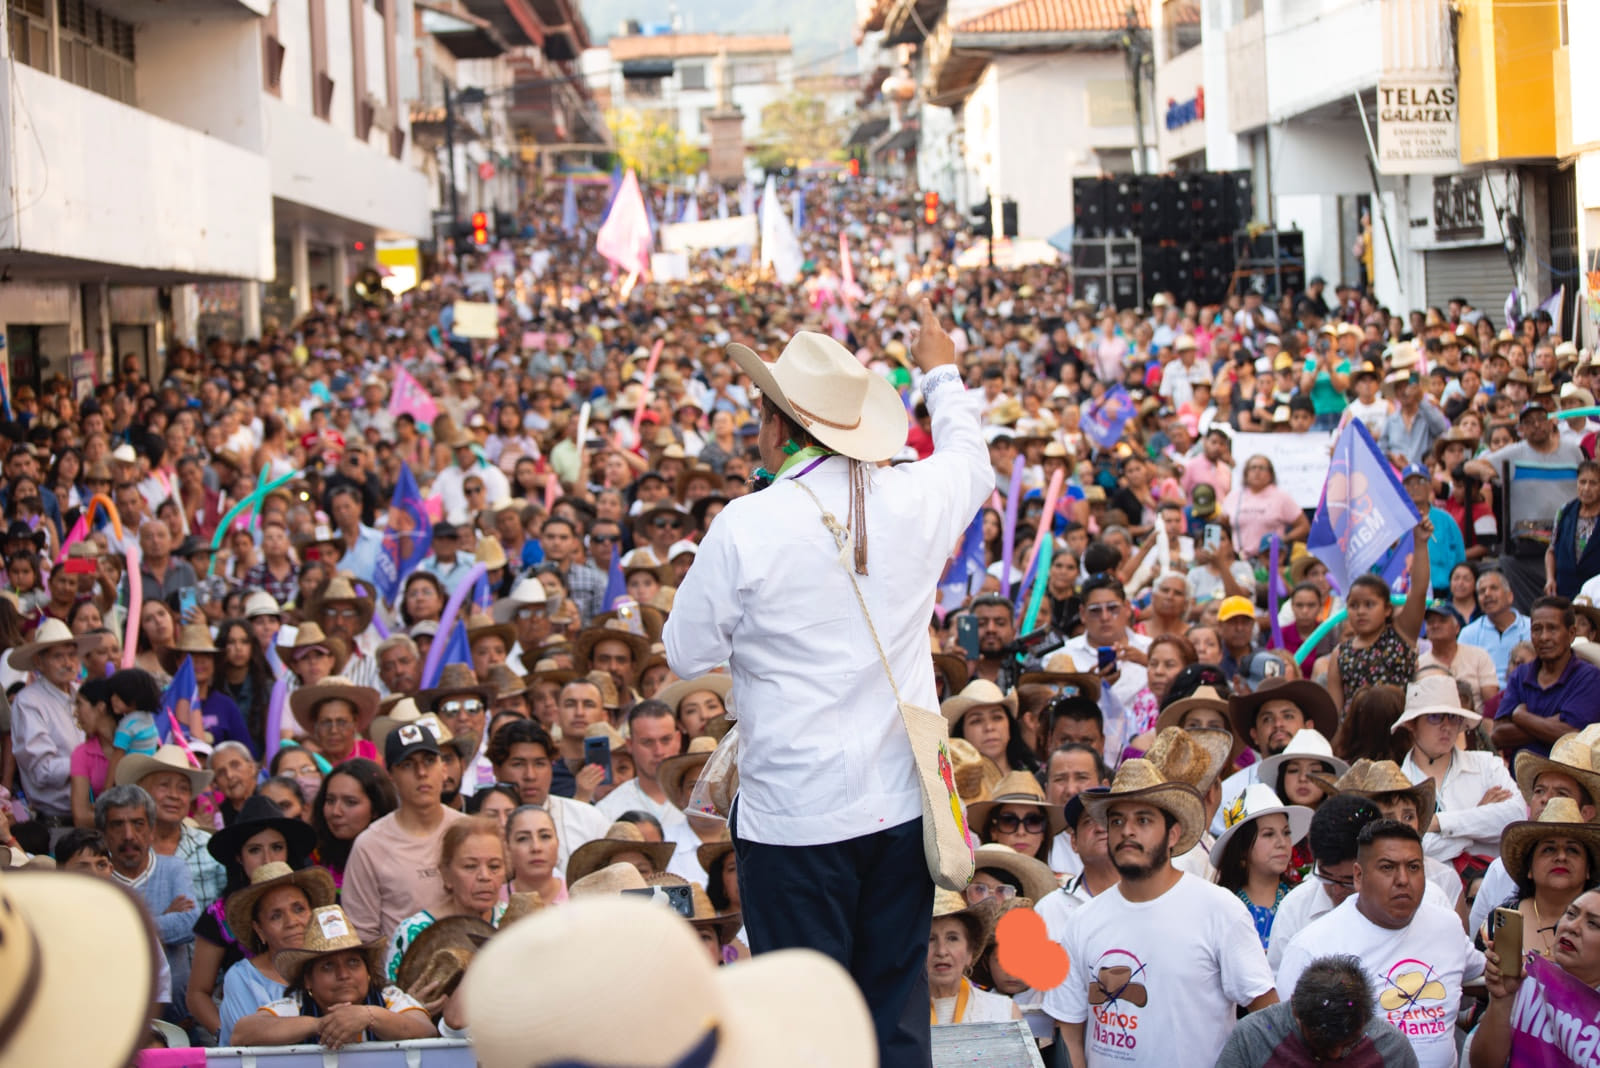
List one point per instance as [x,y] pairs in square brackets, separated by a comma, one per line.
[170,757]
[102,958]
[765,1011]
[1560,819]
[304,701]
[711,852]
[1434,695]
[241,905]
[481,625]
[455,680]
[503,682]
[465,744]
[527,592]
[1017,788]
[393,711]
[1139,779]
[979,693]
[675,771]
[652,620]
[975,774]
[194,638]
[330,931]
[490,553]
[51,633]
[674,694]
[1258,800]
[338,591]
[705,915]
[1370,778]
[1307,744]
[611,879]
[954,670]
[602,681]
[257,814]
[310,636]
[613,630]
[1190,756]
[619,838]
[441,952]
[1572,754]
[1036,878]
[1312,700]
[547,670]
[1061,671]
[820,385]
[690,475]
[977,919]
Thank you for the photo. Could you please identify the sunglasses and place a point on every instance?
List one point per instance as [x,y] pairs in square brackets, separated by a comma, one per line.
[663,523]
[532,611]
[474,489]
[461,707]
[1010,822]
[604,539]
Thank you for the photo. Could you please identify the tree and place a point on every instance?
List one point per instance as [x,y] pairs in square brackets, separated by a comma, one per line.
[651,145]
[798,130]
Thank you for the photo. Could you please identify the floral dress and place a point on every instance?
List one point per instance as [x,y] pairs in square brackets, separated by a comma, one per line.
[1389,661]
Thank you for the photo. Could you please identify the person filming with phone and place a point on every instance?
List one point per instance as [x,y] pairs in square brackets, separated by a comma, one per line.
[1575,952]
[1110,648]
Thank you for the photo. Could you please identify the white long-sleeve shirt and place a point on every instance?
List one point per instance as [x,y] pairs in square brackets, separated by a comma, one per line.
[1464,825]
[823,755]
[44,734]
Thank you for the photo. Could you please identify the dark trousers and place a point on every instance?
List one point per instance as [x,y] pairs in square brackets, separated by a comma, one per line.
[868,904]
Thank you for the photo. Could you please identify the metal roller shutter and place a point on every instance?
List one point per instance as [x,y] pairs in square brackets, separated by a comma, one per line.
[1480,274]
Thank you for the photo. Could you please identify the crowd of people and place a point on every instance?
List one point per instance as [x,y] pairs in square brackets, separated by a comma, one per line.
[1256,837]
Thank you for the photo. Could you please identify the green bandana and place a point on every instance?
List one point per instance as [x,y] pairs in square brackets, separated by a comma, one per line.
[805,455]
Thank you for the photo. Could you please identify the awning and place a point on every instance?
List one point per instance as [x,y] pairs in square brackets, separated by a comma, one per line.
[867,132]
[514,19]
[463,36]
[647,68]
[902,139]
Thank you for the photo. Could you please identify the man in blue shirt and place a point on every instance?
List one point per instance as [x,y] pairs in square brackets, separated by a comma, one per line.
[361,543]
[1446,548]
[1500,627]
[1553,695]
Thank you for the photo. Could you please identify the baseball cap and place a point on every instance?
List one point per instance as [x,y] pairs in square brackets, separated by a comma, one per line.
[1234,607]
[1530,408]
[407,740]
[1444,608]
[1078,802]
[1414,471]
[993,434]
[1259,667]
[1203,501]
[1282,362]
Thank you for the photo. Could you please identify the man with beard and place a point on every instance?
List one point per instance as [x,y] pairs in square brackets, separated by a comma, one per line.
[997,628]
[1160,962]
[1270,717]
[1415,953]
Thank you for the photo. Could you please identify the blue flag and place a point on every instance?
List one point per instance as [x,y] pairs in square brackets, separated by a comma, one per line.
[616,584]
[456,651]
[569,210]
[967,567]
[1104,419]
[482,599]
[408,516]
[182,694]
[611,194]
[1364,509]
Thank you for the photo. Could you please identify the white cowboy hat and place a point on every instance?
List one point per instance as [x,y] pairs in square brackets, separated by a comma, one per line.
[823,388]
[1259,800]
[683,1008]
[672,695]
[526,592]
[170,757]
[1434,695]
[51,633]
[1308,743]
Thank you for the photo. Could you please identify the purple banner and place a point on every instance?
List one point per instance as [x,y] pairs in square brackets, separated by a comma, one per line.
[1552,1020]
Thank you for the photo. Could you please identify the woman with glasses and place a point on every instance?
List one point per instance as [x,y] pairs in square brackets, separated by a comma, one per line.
[335,715]
[1019,817]
[1258,507]
[422,597]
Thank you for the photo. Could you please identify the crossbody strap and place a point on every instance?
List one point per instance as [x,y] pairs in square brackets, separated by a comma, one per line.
[841,539]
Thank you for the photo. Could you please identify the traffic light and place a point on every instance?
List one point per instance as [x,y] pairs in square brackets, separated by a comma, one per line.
[855,167]
[505,225]
[480,228]
[982,220]
[1008,217]
[930,208]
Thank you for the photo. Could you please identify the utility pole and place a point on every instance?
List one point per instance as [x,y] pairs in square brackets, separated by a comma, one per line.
[450,155]
[1133,44]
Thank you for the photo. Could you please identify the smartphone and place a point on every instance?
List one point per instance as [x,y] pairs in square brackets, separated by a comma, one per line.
[1505,930]
[598,751]
[679,899]
[967,635]
[1213,537]
[188,601]
[1107,658]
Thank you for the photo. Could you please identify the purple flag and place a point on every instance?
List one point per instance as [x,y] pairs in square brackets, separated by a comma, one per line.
[408,517]
[616,584]
[457,650]
[1552,1018]
[1364,508]
[1105,418]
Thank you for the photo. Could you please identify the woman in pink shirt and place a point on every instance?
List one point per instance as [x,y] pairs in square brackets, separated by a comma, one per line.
[1258,507]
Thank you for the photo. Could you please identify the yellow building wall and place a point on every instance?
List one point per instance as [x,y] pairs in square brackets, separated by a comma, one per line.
[1508,79]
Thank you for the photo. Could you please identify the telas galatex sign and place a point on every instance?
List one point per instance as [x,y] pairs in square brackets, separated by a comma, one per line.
[1418,127]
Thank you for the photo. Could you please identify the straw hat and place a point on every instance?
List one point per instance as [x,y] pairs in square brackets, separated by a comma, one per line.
[620,838]
[259,813]
[341,590]
[1195,757]
[978,920]
[482,625]
[170,757]
[50,634]
[441,952]
[1141,780]
[673,695]
[706,916]
[709,853]
[1036,878]
[677,774]
[1560,819]
[1061,673]
[546,669]
[979,693]
[310,636]
[1370,778]
[304,701]
[330,931]
[975,774]
[696,474]
[1434,695]
[490,553]
[652,620]
[1207,697]
[1314,702]
[1017,788]
[102,959]
[611,879]
[819,384]
[241,905]
[394,710]
[194,638]
[1573,754]
[954,670]
[1258,800]
[766,1011]
[612,630]
[528,591]
[602,680]
[1307,744]
[455,680]
[503,682]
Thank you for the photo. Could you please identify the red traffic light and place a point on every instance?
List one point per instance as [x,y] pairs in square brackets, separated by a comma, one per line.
[855,168]
[480,228]
[930,208]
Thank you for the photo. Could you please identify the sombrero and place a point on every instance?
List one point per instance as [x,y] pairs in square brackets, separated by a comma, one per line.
[977,694]
[947,904]
[954,670]
[1061,671]
[259,813]
[330,931]
[170,757]
[620,838]
[364,699]
[678,773]
[455,680]
[976,775]
[1258,800]
[613,630]
[1307,744]
[341,589]
[1017,788]
[1141,780]
[1315,703]
[51,633]
[482,625]
[673,695]
[1036,878]
[1572,754]
[652,620]
[1369,778]
[241,904]
[1560,819]
[441,952]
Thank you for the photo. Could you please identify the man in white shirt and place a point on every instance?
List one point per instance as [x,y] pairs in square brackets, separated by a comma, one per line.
[1415,953]
[652,737]
[828,821]
[1158,964]
[1105,625]
[1179,377]
[43,730]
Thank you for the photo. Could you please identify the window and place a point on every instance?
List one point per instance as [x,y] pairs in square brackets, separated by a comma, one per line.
[30,33]
[642,88]
[692,75]
[1180,22]
[1115,160]
[1110,103]
[96,50]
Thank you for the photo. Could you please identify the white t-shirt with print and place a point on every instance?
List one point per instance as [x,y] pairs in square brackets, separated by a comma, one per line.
[1166,974]
[1416,971]
[1310,901]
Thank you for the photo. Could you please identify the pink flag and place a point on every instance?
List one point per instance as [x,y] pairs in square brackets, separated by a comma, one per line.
[409,398]
[80,530]
[624,237]
[848,289]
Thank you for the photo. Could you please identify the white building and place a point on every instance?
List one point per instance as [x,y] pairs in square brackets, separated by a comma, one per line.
[674,77]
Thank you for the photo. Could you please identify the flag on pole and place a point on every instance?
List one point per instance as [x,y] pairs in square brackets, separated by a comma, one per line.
[848,289]
[624,237]
[966,571]
[569,209]
[457,650]
[616,584]
[1105,418]
[1363,511]
[611,193]
[799,200]
[780,246]
[408,519]
[482,598]
[1552,307]
[177,702]
[409,398]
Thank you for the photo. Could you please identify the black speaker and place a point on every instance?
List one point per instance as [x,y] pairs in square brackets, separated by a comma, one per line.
[1123,254]
[1120,195]
[1239,203]
[1188,272]
[1126,291]
[1088,207]
[1291,245]
[1152,204]
[1089,255]
[1156,267]
[1090,287]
